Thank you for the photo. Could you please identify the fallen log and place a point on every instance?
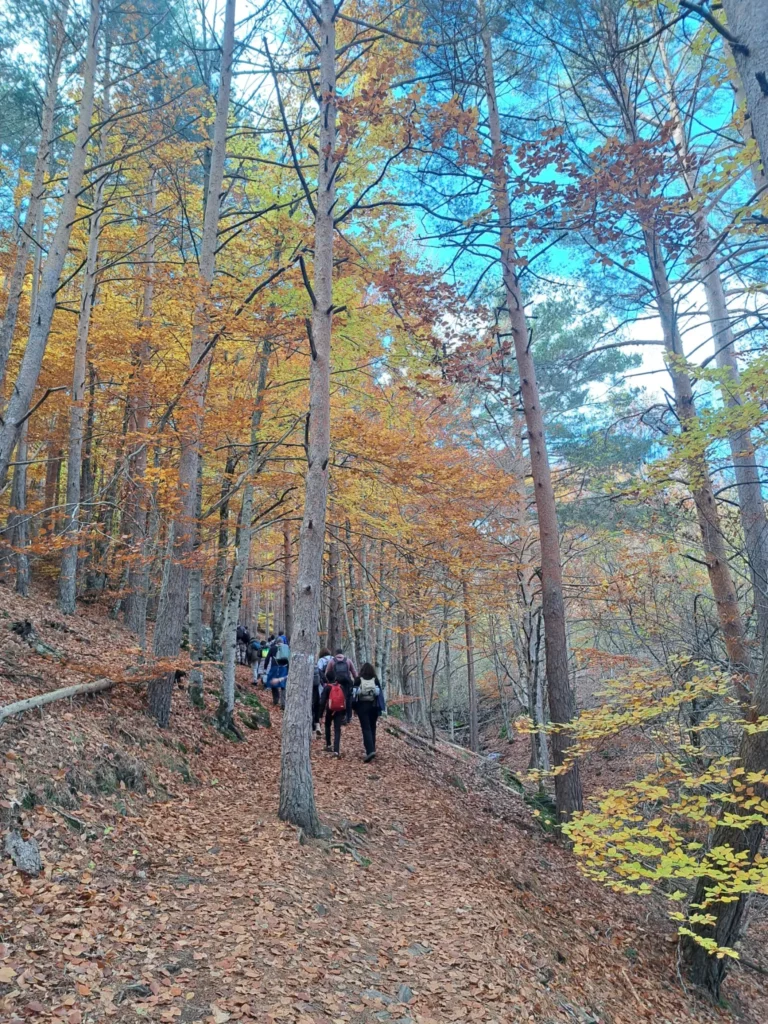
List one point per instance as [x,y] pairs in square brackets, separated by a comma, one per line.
[48,698]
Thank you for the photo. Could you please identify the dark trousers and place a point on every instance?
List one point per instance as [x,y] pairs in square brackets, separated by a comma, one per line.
[337,719]
[368,713]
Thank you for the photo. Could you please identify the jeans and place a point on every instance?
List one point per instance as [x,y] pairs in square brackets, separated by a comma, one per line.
[368,714]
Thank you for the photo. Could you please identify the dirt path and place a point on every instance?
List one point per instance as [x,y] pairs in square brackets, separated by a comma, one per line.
[429,904]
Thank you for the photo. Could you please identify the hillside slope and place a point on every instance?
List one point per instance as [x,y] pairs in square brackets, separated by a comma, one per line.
[172,893]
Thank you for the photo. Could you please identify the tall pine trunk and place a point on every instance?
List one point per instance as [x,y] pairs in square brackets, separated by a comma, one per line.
[297,795]
[562,703]
[748,21]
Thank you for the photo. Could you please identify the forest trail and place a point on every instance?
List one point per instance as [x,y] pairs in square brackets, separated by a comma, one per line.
[176,895]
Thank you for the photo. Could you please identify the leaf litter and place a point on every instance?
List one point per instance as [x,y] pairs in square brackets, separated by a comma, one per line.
[179,897]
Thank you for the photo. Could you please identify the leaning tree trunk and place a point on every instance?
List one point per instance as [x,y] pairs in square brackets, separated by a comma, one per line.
[174,593]
[562,703]
[226,712]
[42,315]
[68,572]
[748,21]
[297,795]
[37,191]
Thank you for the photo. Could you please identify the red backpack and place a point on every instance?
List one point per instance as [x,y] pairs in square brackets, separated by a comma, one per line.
[336,699]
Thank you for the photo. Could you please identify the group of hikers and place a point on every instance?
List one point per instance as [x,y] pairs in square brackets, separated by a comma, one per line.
[338,689]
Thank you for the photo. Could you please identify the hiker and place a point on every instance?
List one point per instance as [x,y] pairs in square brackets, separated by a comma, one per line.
[335,703]
[319,687]
[345,674]
[365,700]
[258,652]
[243,639]
[277,673]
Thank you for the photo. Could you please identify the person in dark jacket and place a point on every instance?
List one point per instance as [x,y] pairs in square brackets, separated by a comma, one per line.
[337,717]
[366,697]
[319,688]
[346,674]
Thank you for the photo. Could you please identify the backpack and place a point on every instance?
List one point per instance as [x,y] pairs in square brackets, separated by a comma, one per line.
[341,666]
[336,699]
[265,651]
[367,690]
[283,654]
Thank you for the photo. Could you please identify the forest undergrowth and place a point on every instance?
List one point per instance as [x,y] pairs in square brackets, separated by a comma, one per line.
[171,892]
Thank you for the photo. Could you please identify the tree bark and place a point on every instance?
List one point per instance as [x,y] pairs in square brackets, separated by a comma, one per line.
[287,584]
[40,326]
[49,698]
[174,592]
[18,523]
[226,711]
[138,424]
[562,703]
[334,593]
[297,797]
[68,572]
[220,572]
[748,21]
[751,506]
[35,205]
[474,741]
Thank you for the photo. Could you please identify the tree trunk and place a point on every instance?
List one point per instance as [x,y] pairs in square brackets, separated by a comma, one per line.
[562,703]
[748,21]
[297,797]
[751,506]
[474,741]
[195,683]
[334,593]
[174,592]
[137,501]
[18,524]
[700,480]
[287,585]
[226,711]
[220,572]
[354,596]
[68,572]
[40,326]
[51,488]
[35,205]
[449,689]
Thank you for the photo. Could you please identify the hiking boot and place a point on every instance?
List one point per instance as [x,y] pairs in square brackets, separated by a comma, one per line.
[369,757]
[328,748]
[336,753]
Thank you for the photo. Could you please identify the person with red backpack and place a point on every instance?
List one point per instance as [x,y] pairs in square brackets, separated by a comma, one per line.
[335,704]
[345,674]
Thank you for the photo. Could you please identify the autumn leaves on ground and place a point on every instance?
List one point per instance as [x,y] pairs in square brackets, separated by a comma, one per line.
[170,891]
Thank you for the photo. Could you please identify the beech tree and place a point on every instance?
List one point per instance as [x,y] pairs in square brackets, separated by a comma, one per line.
[20,396]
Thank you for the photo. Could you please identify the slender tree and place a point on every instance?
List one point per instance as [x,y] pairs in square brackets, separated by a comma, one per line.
[175,590]
[18,406]
[297,796]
